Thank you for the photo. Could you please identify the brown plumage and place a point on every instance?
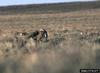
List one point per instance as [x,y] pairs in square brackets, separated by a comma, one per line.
[39,35]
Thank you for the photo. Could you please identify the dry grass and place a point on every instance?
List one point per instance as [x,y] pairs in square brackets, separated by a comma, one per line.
[74,42]
[64,52]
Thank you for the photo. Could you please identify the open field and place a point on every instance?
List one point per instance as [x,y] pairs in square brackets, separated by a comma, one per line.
[74,40]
